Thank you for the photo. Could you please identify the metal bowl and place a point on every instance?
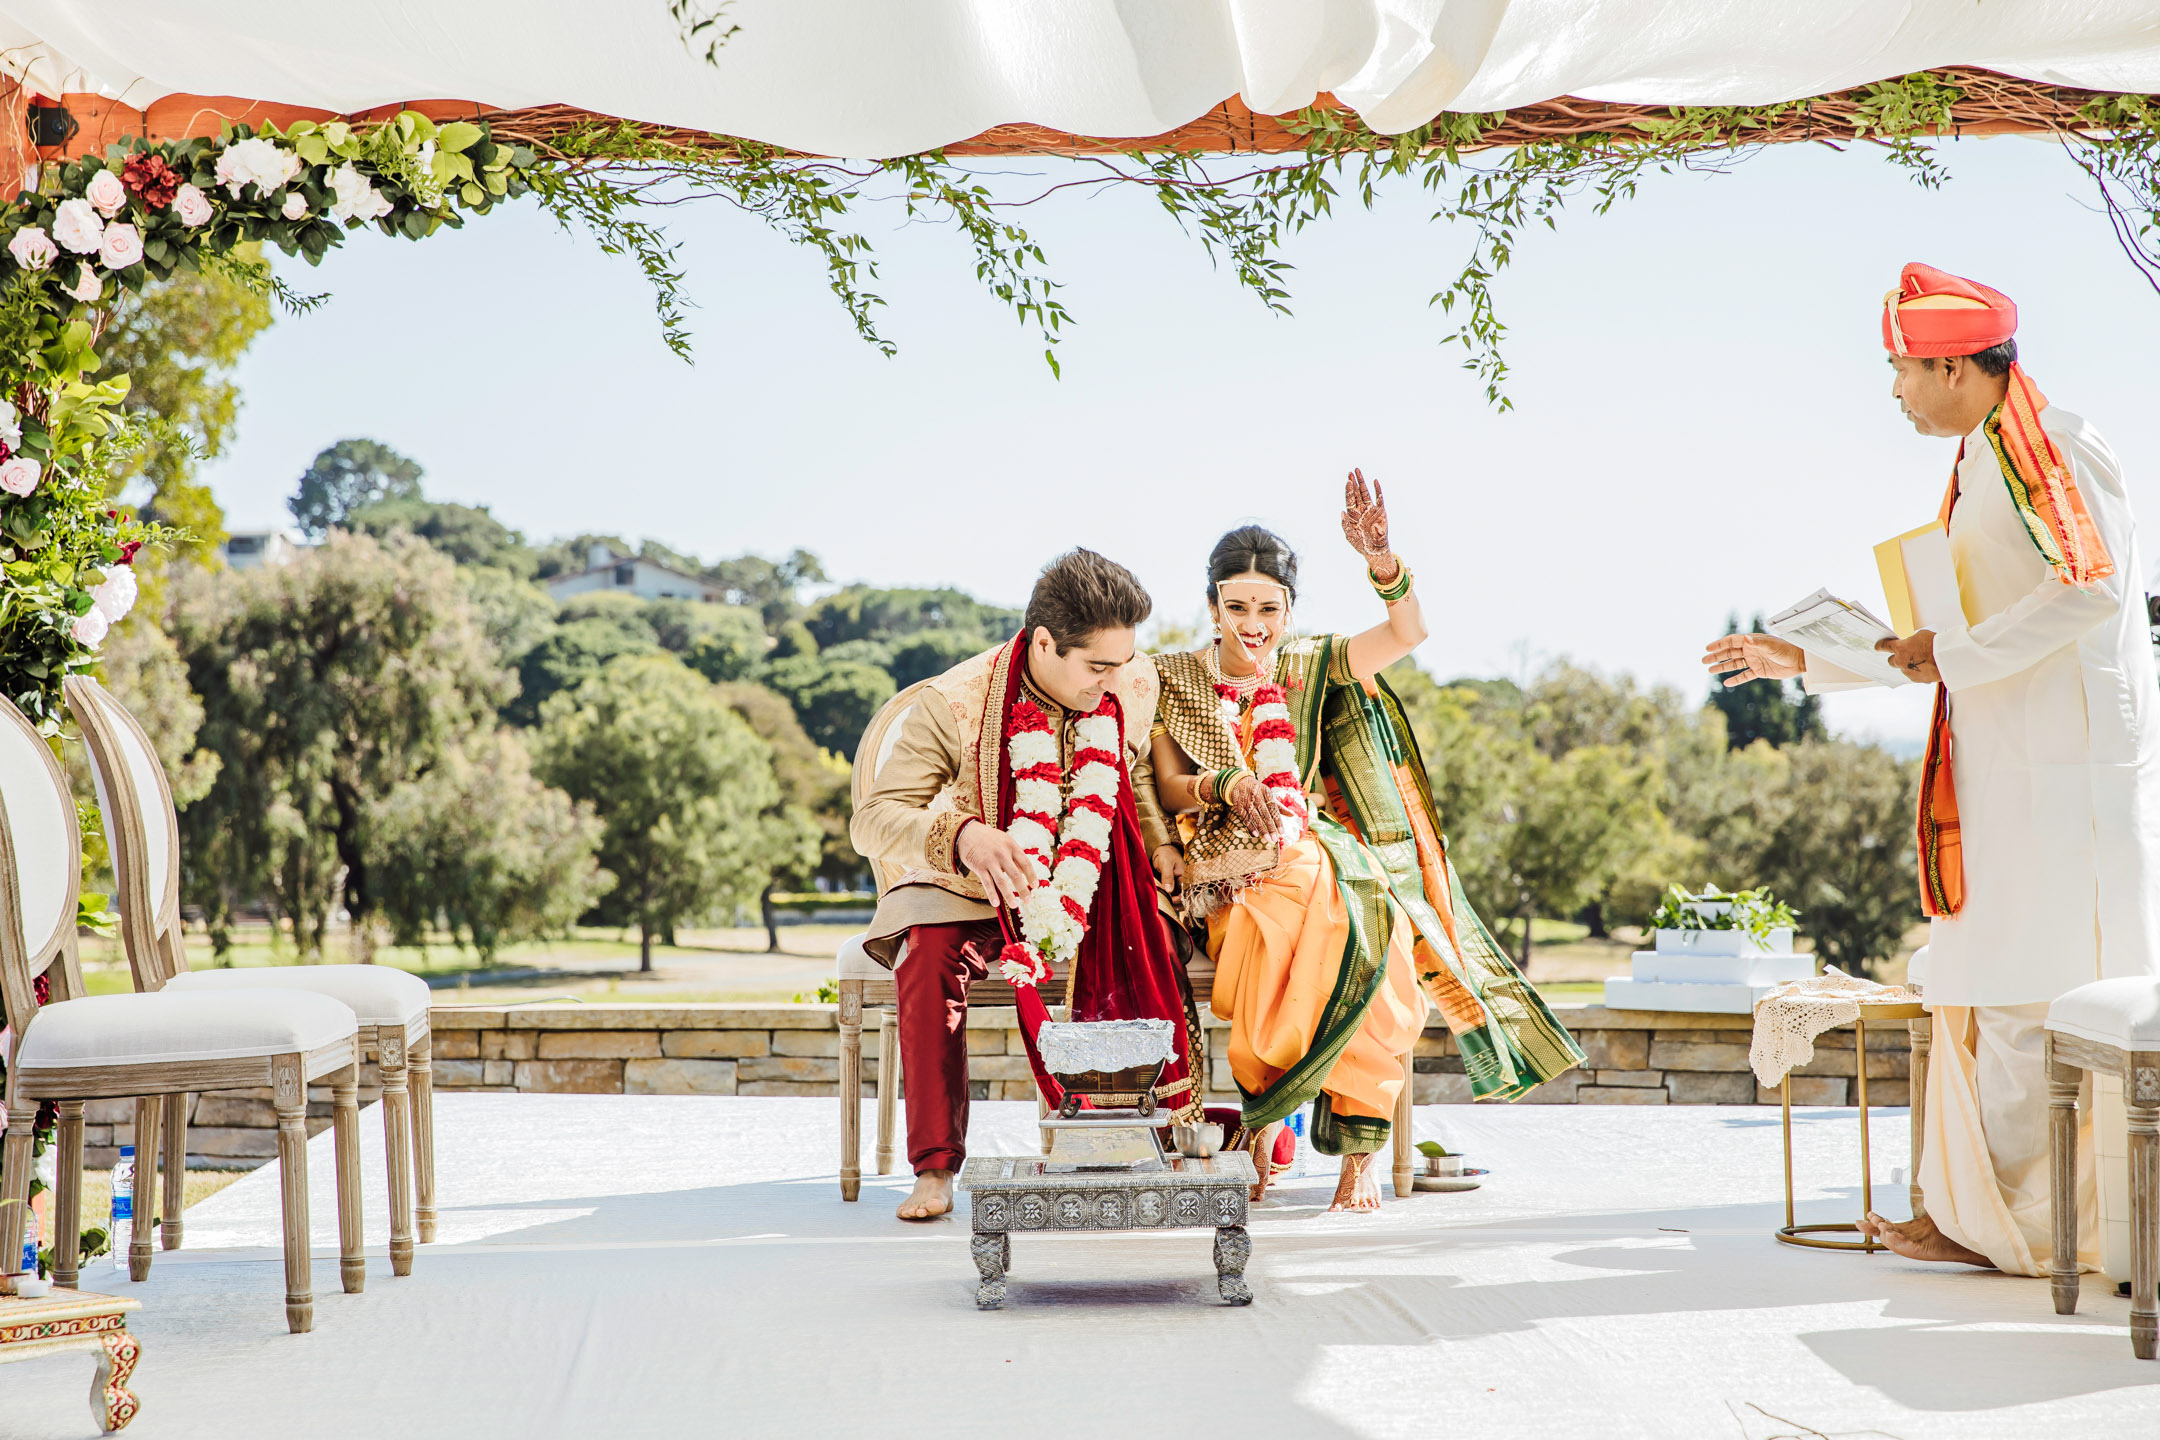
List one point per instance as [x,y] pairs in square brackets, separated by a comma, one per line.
[1197,1141]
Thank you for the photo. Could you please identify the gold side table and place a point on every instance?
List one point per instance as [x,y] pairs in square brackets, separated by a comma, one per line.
[1917,1025]
[78,1320]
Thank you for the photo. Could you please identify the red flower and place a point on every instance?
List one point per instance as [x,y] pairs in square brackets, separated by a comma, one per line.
[127,551]
[1269,694]
[151,178]
[1044,771]
[6,454]
[1072,908]
[1274,730]
[1025,716]
[1094,757]
[1080,849]
[1090,802]
[1226,692]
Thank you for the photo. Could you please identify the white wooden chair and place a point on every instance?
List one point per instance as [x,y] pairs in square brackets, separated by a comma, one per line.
[2110,1027]
[77,1047]
[391,1006]
[864,982]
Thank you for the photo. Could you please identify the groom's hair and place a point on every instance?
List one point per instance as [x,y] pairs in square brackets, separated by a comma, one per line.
[1082,593]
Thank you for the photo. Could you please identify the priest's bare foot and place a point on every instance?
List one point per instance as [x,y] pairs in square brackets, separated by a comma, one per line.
[1920,1240]
[1359,1188]
[931,1197]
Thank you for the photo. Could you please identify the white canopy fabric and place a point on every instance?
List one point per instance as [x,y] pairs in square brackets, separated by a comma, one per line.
[870,78]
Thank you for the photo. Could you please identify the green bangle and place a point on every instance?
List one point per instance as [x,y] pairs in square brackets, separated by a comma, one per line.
[1394,590]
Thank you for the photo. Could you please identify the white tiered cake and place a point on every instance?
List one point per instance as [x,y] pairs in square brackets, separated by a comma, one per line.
[1716,972]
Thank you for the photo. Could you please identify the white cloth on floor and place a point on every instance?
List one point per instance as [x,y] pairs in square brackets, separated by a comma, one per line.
[1984,1152]
[1788,1019]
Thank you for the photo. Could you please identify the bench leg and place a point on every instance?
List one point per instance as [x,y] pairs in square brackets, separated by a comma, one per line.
[67,1198]
[1405,1164]
[149,1125]
[1922,1033]
[420,1076]
[851,993]
[888,1085]
[2144,1105]
[175,1137]
[288,1090]
[2062,1082]
[397,1143]
[345,1138]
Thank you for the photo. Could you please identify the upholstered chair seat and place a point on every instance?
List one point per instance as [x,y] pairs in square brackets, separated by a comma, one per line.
[377,994]
[121,1030]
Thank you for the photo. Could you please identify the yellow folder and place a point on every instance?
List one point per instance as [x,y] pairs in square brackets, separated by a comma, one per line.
[1919,580]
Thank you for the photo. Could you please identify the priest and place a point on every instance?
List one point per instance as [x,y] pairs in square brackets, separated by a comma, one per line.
[1007,808]
[2039,807]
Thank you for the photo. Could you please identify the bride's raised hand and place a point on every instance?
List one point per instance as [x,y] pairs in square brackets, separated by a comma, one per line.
[1364,525]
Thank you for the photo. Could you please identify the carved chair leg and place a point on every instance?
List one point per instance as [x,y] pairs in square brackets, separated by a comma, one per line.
[888,1085]
[345,1138]
[175,1192]
[2062,1083]
[397,1144]
[1405,1164]
[67,1197]
[288,1089]
[851,999]
[149,1122]
[15,1179]
[420,1064]
[2143,1097]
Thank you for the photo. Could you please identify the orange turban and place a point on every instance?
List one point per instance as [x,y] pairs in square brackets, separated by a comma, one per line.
[1935,313]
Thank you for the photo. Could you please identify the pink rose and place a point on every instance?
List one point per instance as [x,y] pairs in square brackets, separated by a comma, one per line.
[87,286]
[107,193]
[115,595]
[192,206]
[122,245]
[295,206]
[77,226]
[32,248]
[89,628]
[19,476]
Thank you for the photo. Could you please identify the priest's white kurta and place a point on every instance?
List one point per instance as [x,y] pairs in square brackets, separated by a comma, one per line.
[2055,746]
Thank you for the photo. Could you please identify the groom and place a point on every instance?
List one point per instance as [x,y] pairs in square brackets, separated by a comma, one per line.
[938,810]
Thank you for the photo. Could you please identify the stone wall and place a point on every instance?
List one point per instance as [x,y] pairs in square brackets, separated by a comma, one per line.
[1635,1057]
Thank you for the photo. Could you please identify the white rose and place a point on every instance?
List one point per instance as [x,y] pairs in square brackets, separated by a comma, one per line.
[295,206]
[78,227]
[114,596]
[32,248]
[87,286]
[107,193]
[192,206]
[19,476]
[121,247]
[357,198]
[257,162]
[89,628]
[10,425]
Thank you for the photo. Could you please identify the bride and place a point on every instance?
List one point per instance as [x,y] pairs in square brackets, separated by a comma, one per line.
[1290,816]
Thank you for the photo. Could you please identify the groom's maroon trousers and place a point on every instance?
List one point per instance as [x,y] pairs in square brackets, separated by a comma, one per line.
[931,983]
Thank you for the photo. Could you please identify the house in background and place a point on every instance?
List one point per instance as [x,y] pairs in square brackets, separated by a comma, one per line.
[605,570]
[253,549]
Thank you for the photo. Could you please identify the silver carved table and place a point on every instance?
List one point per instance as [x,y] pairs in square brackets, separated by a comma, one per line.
[1009,1193]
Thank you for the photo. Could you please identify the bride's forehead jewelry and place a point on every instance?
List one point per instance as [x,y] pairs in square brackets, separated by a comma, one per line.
[1253,590]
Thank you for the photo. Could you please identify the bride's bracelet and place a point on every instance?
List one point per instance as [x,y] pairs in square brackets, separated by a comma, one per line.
[1213,787]
[1394,590]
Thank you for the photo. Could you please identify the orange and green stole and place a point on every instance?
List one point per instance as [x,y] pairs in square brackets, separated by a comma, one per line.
[2061,528]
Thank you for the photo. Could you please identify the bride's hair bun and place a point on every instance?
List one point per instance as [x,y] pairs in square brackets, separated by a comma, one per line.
[1252,550]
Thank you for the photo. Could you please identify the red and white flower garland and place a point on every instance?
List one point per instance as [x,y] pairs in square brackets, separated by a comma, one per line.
[1274,752]
[1066,840]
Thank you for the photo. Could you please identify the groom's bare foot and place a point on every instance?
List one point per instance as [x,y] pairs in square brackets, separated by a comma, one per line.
[1359,1188]
[1920,1240]
[931,1197]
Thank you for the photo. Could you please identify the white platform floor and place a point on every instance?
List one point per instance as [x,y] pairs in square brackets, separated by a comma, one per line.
[621,1267]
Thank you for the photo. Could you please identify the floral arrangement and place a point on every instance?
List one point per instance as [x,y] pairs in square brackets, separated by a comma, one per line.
[1756,911]
[1274,754]
[1066,851]
[99,225]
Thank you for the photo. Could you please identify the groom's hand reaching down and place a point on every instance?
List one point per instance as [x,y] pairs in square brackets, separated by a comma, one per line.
[996,859]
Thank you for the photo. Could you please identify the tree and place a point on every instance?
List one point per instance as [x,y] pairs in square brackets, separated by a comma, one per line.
[178,342]
[720,642]
[350,476]
[570,655]
[807,830]
[1570,829]
[479,843]
[1845,855]
[834,699]
[679,780]
[770,587]
[515,614]
[468,534]
[1779,711]
[325,684]
[862,613]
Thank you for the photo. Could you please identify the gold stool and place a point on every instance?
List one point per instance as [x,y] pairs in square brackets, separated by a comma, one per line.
[1917,1025]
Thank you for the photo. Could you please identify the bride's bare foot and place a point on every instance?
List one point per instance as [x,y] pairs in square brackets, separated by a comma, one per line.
[1358,1189]
[931,1197]
[1920,1240]
[1262,1147]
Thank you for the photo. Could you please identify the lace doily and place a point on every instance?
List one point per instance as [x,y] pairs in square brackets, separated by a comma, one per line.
[1788,1019]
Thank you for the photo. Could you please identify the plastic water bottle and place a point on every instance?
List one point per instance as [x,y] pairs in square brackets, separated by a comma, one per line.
[123,1205]
[29,1242]
[1296,1124]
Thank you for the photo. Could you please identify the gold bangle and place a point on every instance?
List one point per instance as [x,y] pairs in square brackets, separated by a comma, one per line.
[1392,591]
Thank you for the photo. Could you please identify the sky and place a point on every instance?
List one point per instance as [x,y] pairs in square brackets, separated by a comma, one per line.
[1701,426]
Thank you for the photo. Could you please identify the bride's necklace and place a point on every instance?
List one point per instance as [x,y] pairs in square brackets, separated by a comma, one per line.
[1242,686]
